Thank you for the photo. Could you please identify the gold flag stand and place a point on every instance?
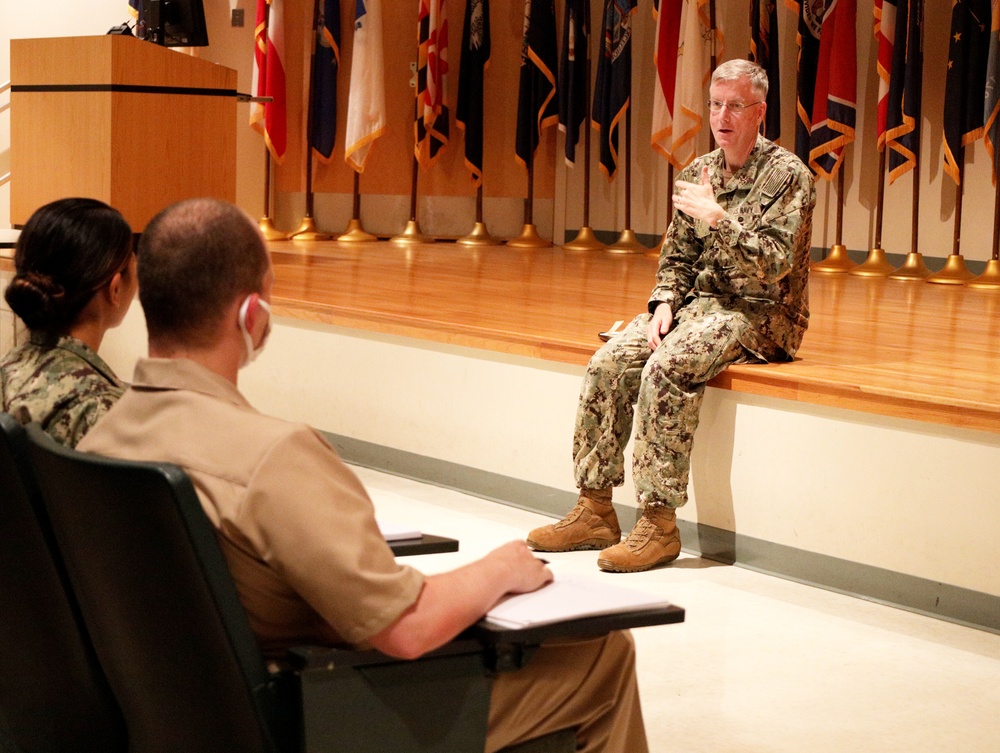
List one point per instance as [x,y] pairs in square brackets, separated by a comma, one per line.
[990,278]
[529,237]
[837,260]
[585,239]
[355,233]
[479,235]
[913,267]
[411,233]
[876,265]
[955,272]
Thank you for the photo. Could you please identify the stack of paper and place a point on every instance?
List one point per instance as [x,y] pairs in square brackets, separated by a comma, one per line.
[569,597]
[396,532]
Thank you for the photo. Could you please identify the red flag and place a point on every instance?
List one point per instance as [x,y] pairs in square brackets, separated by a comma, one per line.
[431,127]
[885,35]
[693,70]
[269,76]
[666,59]
[834,105]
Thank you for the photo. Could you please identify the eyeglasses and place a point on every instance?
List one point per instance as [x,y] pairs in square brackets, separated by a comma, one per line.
[734,107]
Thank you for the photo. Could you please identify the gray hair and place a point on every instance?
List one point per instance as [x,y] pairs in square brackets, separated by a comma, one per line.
[734,70]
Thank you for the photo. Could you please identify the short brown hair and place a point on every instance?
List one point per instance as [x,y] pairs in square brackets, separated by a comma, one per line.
[195,258]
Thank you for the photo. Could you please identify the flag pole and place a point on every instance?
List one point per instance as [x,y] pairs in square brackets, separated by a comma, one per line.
[627,243]
[837,260]
[307,230]
[267,228]
[585,239]
[354,232]
[479,235]
[876,265]
[913,267]
[954,271]
[412,233]
[990,278]
[529,237]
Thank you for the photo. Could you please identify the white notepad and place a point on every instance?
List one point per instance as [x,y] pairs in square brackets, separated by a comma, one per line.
[396,532]
[568,597]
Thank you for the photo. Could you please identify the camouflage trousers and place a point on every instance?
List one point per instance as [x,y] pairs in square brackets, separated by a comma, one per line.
[666,386]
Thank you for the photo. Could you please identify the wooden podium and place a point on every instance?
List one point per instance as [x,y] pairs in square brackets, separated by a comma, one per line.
[131,123]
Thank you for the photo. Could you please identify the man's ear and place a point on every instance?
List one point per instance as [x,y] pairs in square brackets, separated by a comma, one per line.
[252,303]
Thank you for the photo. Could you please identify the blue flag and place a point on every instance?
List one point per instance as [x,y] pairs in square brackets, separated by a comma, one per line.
[326,63]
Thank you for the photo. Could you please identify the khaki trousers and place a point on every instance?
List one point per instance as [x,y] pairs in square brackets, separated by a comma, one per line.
[586,684]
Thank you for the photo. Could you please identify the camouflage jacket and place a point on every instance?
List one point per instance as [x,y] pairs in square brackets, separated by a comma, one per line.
[59,382]
[756,262]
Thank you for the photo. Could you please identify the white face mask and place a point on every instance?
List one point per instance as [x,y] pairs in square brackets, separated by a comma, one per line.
[252,352]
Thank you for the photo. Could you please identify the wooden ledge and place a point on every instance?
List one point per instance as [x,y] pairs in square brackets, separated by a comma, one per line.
[909,350]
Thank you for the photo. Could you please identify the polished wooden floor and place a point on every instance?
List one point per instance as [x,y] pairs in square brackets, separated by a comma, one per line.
[906,349]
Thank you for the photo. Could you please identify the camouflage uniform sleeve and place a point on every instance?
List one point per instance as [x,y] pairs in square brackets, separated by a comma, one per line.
[76,416]
[679,254]
[765,246]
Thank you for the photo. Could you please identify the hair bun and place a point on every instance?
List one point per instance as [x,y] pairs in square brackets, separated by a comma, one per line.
[37,299]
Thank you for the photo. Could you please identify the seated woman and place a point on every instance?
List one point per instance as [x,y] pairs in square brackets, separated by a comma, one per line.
[75,279]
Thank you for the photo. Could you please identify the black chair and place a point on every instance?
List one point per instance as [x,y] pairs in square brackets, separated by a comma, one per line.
[53,695]
[176,645]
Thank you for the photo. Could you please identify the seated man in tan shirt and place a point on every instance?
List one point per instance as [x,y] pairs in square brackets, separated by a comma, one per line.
[295,524]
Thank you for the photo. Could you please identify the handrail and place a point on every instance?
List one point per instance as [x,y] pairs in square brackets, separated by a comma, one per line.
[5,178]
[4,86]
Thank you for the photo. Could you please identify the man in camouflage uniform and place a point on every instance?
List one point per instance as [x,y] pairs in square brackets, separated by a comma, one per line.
[60,382]
[731,288]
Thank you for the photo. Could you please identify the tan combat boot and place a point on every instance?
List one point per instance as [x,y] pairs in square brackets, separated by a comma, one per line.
[654,541]
[592,524]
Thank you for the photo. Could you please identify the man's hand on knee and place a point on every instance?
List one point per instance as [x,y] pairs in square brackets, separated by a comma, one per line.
[659,325]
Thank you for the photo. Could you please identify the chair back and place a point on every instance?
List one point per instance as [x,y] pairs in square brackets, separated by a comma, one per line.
[159,602]
[53,695]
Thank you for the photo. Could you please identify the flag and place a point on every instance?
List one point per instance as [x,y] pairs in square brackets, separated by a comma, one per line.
[965,82]
[991,110]
[675,130]
[666,59]
[835,95]
[366,101]
[902,127]
[764,52]
[885,36]
[431,128]
[573,73]
[134,8]
[810,13]
[537,106]
[326,63]
[475,59]
[269,76]
[613,89]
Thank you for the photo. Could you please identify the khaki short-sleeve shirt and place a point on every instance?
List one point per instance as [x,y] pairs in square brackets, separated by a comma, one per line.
[295,524]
